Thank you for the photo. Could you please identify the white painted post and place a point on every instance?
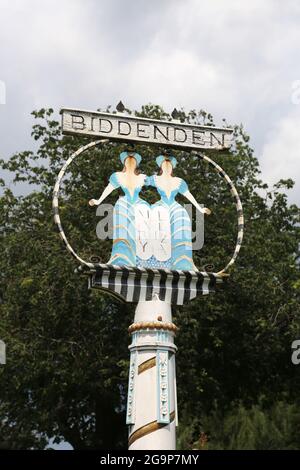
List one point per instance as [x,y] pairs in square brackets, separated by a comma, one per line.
[152,404]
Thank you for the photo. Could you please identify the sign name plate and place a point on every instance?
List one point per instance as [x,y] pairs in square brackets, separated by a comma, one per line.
[149,131]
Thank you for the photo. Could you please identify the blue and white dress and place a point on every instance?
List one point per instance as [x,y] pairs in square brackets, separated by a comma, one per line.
[176,225]
[124,229]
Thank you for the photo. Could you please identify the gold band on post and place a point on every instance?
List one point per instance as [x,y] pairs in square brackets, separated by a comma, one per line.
[152,325]
[147,365]
[147,429]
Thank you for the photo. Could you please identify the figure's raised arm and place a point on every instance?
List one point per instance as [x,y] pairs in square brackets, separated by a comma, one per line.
[113,184]
[109,189]
[186,193]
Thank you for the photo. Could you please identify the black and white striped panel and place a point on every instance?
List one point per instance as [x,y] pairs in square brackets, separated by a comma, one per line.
[135,284]
[239,210]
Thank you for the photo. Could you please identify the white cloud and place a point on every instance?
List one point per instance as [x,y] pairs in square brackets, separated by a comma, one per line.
[235,59]
[281,152]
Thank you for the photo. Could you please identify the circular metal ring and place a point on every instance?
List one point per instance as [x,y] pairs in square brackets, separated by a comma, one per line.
[219,170]
[239,210]
[56,195]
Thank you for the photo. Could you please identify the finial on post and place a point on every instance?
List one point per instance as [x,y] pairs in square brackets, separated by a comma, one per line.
[120,107]
[175,114]
[178,115]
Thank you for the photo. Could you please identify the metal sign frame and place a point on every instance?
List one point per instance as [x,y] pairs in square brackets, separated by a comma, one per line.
[152,398]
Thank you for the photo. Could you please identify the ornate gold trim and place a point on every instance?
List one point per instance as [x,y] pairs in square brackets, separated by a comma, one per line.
[147,429]
[147,365]
[152,325]
[119,255]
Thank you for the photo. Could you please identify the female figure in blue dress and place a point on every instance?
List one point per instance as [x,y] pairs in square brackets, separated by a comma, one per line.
[125,210]
[173,240]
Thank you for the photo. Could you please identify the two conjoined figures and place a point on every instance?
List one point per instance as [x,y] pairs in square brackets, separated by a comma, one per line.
[150,236]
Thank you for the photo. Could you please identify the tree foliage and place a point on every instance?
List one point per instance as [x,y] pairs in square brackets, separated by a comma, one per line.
[67,357]
[257,427]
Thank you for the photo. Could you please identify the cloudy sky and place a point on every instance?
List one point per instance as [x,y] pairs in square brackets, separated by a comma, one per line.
[236,59]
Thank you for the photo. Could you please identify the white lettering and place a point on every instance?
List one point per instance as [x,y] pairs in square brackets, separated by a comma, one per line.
[296,354]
